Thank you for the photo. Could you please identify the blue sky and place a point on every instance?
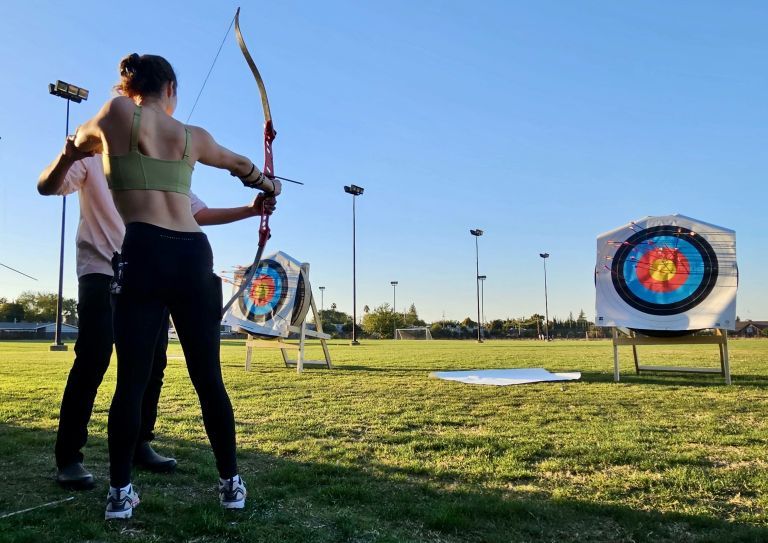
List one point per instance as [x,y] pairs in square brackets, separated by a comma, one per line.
[543,123]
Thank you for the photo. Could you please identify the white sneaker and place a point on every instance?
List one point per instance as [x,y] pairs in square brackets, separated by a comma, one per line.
[121,502]
[232,493]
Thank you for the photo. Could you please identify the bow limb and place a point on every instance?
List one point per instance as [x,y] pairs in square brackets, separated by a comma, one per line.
[269,169]
[269,130]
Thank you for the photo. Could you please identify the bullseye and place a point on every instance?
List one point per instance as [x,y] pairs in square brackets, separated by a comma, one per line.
[262,289]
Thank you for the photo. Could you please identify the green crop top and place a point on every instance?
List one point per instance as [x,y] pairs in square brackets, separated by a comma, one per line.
[135,171]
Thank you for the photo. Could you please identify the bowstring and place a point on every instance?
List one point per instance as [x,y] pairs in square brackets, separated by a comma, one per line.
[232,22]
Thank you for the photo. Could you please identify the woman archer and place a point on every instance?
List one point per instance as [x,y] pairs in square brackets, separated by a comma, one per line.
[166,262]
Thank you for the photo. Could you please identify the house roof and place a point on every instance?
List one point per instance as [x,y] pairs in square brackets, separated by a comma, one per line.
[31,326]
[760,325]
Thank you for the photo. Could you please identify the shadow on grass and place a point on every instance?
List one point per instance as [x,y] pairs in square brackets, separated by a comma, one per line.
[676,379]
[315,502]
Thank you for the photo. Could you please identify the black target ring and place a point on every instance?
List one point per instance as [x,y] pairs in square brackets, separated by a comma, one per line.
[702,268]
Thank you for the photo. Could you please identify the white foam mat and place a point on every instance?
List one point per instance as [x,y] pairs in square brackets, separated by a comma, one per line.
[518,376]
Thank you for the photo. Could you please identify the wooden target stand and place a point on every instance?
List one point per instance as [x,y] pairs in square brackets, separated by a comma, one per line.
[623,336]
[300,362]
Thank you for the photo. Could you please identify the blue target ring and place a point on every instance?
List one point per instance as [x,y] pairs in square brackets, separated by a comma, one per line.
[664,270]
[266,294]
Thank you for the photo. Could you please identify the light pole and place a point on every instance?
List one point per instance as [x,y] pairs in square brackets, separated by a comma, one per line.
[394,303]
[482,278]
[477,233]
[322,297]
[70,93]
[545,256]
[355,191]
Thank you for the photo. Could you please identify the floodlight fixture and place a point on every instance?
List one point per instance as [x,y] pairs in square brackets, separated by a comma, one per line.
[354,190]
[476,232]
[68,91]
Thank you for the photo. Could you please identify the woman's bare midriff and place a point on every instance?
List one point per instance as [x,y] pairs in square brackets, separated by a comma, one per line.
[169,210]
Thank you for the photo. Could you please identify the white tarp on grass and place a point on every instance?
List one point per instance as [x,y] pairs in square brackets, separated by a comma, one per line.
[519,376]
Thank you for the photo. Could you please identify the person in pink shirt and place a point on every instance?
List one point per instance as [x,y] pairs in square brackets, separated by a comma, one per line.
[100,234]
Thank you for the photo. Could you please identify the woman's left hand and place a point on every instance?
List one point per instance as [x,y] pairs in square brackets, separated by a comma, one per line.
[263,204]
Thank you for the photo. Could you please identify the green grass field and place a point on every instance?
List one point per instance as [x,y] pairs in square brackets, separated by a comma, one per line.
[376,451]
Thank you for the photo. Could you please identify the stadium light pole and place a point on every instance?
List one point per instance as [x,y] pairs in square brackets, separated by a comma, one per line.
[355,191]
[322,297]
[70,93]
[482,296]
[394,303]
[477,233]
[544,257]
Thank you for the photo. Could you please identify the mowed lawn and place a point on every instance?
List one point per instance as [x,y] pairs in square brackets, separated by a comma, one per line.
[377,451]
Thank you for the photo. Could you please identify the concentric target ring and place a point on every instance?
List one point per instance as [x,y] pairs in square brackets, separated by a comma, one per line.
[664,270]
[266,295]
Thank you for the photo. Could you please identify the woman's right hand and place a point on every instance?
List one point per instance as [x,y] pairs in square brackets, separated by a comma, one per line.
[72,152]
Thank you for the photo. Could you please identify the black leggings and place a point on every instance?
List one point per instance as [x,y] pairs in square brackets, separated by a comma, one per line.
[164,269]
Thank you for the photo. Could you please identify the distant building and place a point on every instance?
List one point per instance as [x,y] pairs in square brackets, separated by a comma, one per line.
[35,330]
[749,328]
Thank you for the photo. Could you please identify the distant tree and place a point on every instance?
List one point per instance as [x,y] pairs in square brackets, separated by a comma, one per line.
[496,327]
[382,321]
[11,312]
[366,309]
[331,316]
[333,307]
[41,307]
[582,320]
[444,329]
[411,318]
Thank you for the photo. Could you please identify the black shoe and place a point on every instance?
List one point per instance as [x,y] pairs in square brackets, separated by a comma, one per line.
[75,477]
[147,458]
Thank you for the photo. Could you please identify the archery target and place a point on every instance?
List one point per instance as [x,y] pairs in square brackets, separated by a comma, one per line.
[262,300]
[667,273]
[277,297]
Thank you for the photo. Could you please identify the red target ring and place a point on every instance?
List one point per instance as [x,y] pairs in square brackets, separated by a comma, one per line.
[664,269]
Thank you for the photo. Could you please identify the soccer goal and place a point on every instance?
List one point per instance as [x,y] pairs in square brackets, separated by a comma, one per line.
[418,332]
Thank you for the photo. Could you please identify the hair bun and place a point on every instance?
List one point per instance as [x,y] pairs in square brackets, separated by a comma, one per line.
[129,65]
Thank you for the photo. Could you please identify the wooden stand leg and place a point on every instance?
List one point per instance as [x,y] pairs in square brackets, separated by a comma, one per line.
[615,356]
[724,355]
[248,354]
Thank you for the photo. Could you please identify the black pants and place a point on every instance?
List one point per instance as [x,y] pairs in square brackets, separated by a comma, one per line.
[167,270]
[93,350]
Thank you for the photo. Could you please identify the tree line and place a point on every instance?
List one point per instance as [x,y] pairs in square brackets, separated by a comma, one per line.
[381,322]
[37,307]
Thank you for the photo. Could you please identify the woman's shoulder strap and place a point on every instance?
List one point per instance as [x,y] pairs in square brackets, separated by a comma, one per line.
[135,125]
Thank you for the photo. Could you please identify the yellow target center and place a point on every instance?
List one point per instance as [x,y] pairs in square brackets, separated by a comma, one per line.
[663,269]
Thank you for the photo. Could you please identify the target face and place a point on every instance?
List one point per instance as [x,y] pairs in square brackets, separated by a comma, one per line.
[664,270]
[267,293]
[278,296]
